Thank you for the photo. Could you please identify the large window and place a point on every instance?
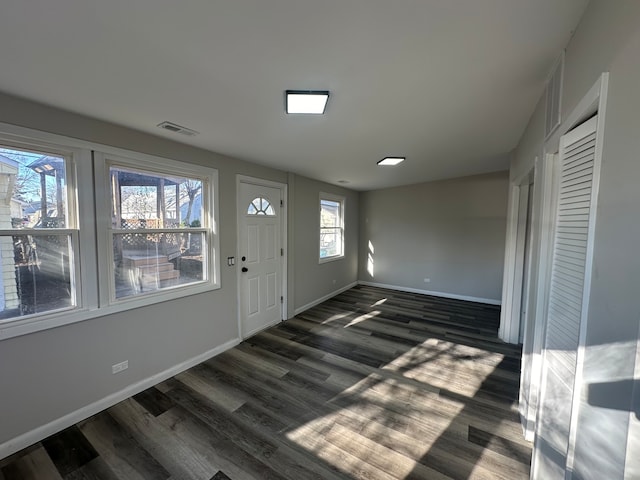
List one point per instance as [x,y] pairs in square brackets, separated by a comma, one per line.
[159,230]
[38,232]
[83,237]
[331,227]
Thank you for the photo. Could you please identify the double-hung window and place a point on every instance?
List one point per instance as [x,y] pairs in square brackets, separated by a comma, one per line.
[88,230]
[331,227]
[158,224]
[38,230]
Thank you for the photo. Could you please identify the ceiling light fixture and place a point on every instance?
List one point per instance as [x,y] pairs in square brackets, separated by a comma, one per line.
[391,160]
[311,102]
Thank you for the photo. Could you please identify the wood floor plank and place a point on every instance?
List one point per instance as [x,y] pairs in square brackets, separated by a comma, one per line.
[35,465]
[96,469]
[120,451]
[215,447]
[69,450]
[159,440]
[257,439]
[154,401]
[371,384]
[220,476]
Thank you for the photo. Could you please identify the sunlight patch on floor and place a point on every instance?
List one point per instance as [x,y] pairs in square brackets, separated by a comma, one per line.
[440,367]
[366,435]
[333,318]
[363,318]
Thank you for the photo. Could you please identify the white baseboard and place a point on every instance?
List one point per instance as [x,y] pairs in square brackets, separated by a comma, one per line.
[323,299]
[40,433]
[489,301]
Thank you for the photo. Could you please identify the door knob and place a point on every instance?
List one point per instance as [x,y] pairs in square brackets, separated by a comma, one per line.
[245,269]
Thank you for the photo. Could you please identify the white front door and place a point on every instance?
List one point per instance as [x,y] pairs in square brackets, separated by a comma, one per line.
[260,257]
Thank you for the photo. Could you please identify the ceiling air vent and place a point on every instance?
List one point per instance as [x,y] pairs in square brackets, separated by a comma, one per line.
[175,128]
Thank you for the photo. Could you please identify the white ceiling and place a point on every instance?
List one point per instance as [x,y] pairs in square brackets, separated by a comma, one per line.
[450,84]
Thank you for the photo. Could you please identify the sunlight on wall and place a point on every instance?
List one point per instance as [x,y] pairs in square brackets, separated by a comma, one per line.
[370,259]
[598,422]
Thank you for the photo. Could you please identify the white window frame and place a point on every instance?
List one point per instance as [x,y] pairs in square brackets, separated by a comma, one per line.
[89,238]
[78,226]
[342,201]
[155,165]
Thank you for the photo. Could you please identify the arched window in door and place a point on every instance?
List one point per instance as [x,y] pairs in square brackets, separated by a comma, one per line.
[260,206]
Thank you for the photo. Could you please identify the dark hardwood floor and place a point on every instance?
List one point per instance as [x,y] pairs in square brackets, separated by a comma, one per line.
[372,384]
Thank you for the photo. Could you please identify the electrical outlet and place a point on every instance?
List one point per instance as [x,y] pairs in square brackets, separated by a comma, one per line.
[427,280]
[118,367]
[334,282]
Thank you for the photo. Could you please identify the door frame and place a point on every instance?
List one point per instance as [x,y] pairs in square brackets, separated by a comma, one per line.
[594,101]
[283,243]
[515,256]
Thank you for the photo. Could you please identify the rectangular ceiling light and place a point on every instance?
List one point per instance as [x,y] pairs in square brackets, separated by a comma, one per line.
[307,101]
[391,160]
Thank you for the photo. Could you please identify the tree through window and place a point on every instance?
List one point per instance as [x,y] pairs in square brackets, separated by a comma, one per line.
[37,237]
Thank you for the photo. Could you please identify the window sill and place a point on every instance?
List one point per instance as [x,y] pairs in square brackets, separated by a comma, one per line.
[23,326]
[330,259]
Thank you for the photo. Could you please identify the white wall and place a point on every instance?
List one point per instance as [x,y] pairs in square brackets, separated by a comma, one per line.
[49,374]
[607,39]
[314,281]
[451,232]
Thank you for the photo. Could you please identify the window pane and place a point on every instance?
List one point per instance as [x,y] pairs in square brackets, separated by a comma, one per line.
[33,191]
[150,262]
[148,200]
[329,213]
[36,274]
[260,206]
[330,242]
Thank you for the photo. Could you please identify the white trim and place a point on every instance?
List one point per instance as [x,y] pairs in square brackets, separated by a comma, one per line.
[514,257]
[543,234]
[593,102]
[504,331]
[62,141]
[342,200]
[153,165]
[588,105]
[559,63]
[455,296]
[37,434]
[93,303]
[328,296]
[588,271]
[283,187]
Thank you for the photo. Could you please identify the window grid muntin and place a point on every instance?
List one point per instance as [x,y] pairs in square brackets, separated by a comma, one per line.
[333,228]
[85,167]
[209,271]
[69,230]
[263,207]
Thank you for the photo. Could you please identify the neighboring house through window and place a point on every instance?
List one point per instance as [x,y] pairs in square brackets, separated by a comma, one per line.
[38,231]
[331,227]
[87,230]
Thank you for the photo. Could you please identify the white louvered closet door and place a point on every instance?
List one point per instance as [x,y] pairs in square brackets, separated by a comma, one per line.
[568,288]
